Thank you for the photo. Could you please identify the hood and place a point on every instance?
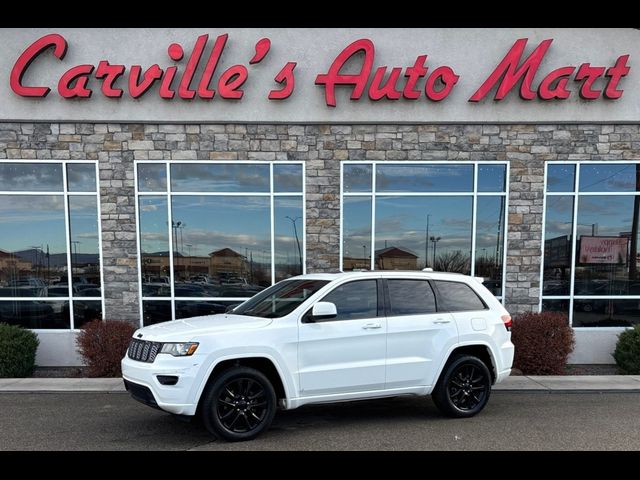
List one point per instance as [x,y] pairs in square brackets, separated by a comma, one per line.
[186,329]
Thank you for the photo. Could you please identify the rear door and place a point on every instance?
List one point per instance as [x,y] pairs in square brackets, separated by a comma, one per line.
[417,334]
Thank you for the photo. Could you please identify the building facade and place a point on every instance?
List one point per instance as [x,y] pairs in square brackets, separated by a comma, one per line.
[134,208]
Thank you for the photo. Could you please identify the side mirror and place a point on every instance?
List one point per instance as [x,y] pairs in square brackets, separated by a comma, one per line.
[323,311]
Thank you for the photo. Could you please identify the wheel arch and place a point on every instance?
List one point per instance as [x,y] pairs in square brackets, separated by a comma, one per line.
[481,350]
[261,362]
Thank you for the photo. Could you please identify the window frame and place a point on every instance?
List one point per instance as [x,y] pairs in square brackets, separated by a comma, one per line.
[474,194]
[167,194]
[65,193]
[575,195]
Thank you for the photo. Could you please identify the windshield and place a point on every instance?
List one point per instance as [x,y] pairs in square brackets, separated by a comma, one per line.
[280,299]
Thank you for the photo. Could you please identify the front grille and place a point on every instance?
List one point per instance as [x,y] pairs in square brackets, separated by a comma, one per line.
[143,350]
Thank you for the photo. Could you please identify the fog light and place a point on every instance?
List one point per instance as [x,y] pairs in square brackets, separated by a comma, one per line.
[167,379]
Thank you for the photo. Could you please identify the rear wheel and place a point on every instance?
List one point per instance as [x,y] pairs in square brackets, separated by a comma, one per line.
[239,405]
[463,388]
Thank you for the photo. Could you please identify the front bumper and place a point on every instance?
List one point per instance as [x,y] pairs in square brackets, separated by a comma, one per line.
[143,384]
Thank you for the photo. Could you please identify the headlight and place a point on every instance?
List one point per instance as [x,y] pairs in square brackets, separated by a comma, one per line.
[179,349]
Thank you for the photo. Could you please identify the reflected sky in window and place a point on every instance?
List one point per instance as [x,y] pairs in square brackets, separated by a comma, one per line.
[152,177]
[81,177]
[33,177]
[424,178]
[560,178]
[287,178]
[193,177]
[609,178]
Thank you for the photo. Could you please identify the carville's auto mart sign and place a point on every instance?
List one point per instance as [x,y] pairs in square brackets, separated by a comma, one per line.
[320,75]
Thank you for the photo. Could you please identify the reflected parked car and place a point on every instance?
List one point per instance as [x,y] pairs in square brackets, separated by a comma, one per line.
[30,314]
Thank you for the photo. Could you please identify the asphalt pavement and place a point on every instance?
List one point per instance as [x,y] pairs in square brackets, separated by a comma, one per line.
[517,420]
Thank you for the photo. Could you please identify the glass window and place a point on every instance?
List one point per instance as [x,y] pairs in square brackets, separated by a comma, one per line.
[606,313]
[411,297]
[561,306]
[492,178]
[32,177]
[356,237]
[458,297]
[221,177]
[152,177]
[355,300]
[155,312]
[557,245]
[401,233]
[603,250]
[607,177]
[424,178]
[226,248]
[81,177]
[490,241]
[287,177]
[38,263]
[561,177]
[357,178]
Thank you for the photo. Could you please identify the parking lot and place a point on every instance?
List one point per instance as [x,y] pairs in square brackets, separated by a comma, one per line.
[511,421]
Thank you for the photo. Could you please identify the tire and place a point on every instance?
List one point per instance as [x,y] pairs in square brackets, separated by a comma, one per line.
[239,405]
[456,396]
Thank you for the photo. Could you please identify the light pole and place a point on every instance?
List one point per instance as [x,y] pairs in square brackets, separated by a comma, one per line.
[295,232]
[364,255]
[189,245]
[75,249]
[426,244]
[435,241]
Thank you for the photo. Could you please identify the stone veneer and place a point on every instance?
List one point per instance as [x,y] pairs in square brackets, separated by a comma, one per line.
[322,147]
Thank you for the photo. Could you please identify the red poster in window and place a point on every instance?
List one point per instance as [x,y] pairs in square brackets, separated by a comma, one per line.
[611,250]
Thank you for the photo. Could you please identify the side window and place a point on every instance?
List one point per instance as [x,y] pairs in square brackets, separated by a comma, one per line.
[458,297]
[411,297]
[355,300]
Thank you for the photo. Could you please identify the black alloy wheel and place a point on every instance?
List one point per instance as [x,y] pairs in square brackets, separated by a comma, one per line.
[239,405]
[464,387]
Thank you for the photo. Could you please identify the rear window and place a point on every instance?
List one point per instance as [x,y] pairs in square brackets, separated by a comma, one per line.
[458,297]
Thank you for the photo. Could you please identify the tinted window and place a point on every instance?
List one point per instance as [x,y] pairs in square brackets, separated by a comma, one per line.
[492,178]
[561,178]
[458,297]
[424,178]
[355,300]
[411,297]
[357,178]
[609,177]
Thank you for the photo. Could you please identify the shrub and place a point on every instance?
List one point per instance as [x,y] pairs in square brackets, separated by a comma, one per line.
[543,342]
[627,352]
[102,346]
[17,351]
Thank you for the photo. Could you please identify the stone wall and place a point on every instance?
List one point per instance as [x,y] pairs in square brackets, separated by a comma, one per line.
[322,147]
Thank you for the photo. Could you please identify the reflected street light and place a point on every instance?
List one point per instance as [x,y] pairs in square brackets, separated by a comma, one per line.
[435,240]
[295,232]
[364,255]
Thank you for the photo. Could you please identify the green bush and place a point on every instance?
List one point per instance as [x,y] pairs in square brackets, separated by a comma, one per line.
[17,351]
[627,352]
[543,343]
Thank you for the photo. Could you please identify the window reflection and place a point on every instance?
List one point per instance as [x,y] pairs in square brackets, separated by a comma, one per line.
[154,246]
[288,241]
[287,178]
[85,253]
[492,178]
[356,236]
[606,313]
[81,177]
[155,312]
[557,245]
[605,264]
[490,242]
[34,177]
[357,178]
[401,233]
[424,178]
[194,177]
[605,177]
[560,178]
[152,177]
[33,255]
[37,314]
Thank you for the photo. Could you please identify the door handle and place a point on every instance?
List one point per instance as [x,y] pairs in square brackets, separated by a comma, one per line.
[371,326]
[441,321]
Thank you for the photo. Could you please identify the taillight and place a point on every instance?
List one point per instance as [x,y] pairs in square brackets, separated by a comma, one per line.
[508,323]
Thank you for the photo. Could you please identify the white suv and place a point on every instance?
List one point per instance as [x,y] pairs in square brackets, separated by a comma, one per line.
[326,338]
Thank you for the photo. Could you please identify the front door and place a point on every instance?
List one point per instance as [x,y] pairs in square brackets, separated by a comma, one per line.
[346,353]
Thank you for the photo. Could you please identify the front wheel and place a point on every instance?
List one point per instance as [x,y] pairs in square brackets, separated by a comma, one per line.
[239,405]
[463,388]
